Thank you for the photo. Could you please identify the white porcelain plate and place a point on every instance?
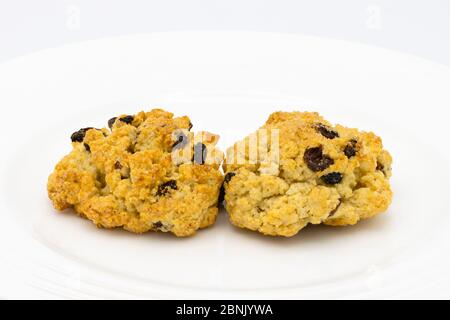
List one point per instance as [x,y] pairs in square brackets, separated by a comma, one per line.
[228,83]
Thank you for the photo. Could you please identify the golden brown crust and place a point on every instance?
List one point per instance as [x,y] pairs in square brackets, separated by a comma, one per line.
[322,174]
[128,177]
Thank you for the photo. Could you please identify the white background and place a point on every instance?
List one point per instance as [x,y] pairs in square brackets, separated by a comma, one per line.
[399,260]
[418,27]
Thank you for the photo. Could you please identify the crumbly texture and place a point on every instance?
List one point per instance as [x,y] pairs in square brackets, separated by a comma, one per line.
[147,173]
[322,174]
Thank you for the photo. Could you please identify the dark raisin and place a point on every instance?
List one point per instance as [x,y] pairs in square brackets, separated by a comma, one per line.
[127,119]
[316,160]
[87,147]
[200,153]
[221,195]
[190,126]
[78,136]
[326,131]
[229,176]
[181,141]
[164,188]
[350,149]
[227,179]
[157,225]
[117,165]
[332,178]
[111,122]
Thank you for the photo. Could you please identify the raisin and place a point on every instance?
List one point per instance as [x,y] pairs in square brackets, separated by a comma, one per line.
[157,225]
[316,160]
[200,153]
[78,136]
[190,126]
[326,131]
[127,119]
[181,142]
[117,165]
[332,178]
[221,195]
[227,179]
[164,188]
[111,122]
[229,176]
[350,149]
[87,147]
